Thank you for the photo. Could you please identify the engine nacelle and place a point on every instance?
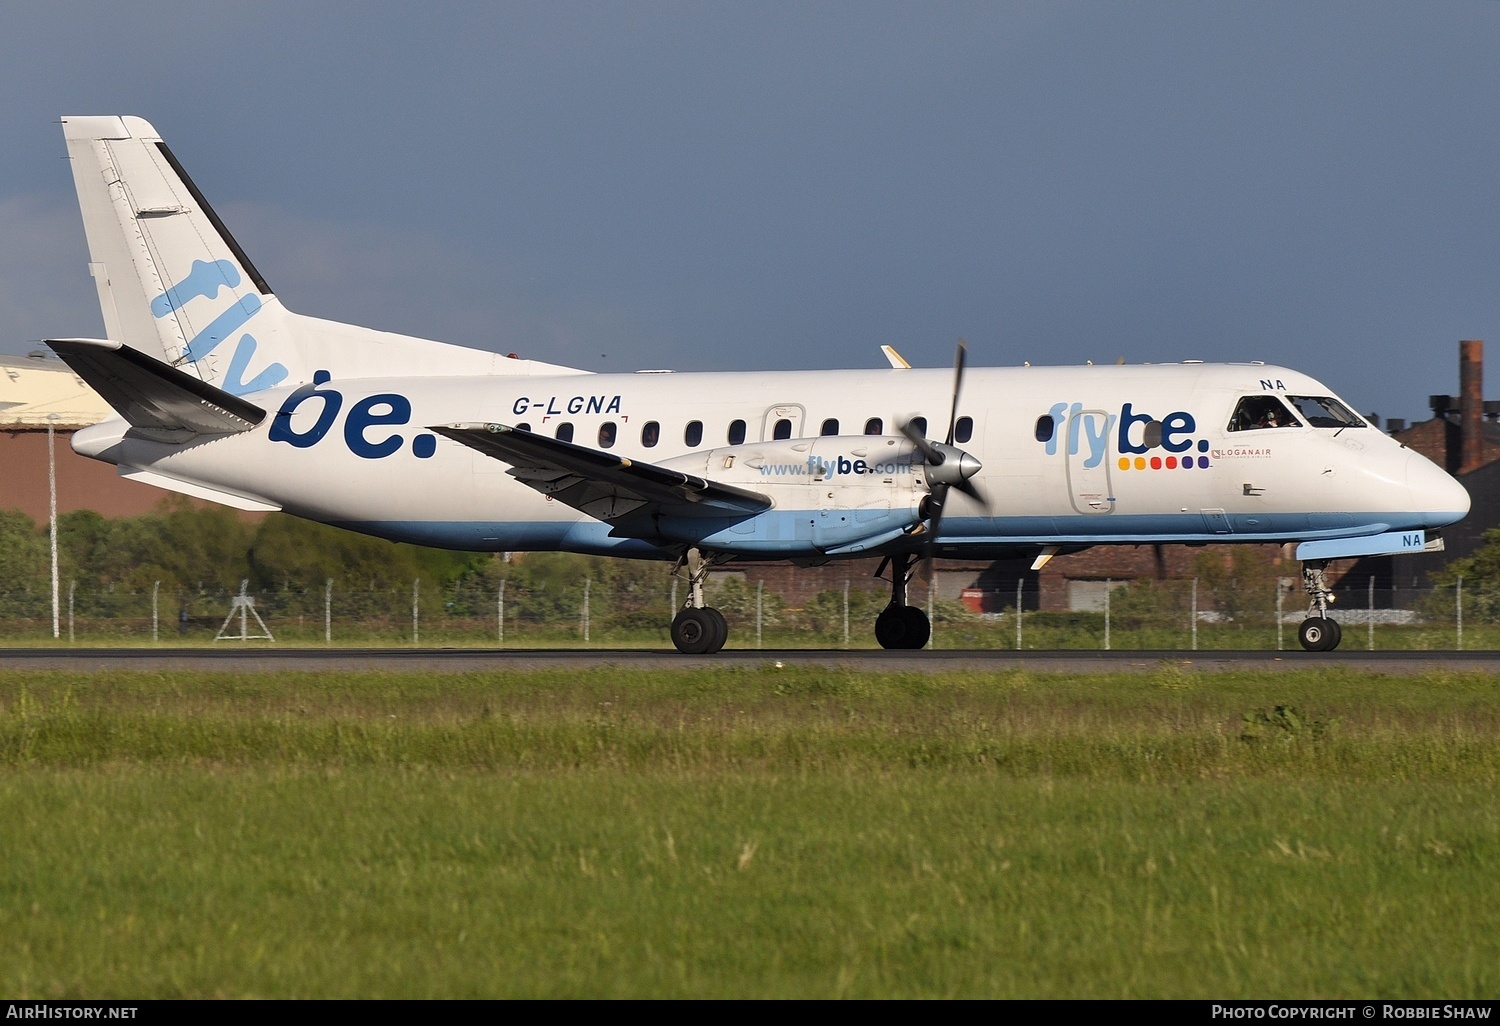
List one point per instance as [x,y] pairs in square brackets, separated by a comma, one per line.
[834,494]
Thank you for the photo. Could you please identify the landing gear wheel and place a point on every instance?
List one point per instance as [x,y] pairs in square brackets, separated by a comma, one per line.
[721,634]
[698,631]
[918,628]
[903,627]
[1320,634]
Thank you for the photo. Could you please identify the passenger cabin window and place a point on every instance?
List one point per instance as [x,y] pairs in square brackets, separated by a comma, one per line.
[693,436]
[737,432]
[1255,412]
[650,434]
[830,426]
[964,429]
[1324,411]
[873,426]
[1045,426]
[607,435]
[783,429]
[920,424]
[523,426]
[565,432]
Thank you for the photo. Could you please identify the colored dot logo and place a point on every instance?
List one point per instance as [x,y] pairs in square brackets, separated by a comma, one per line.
[1164,463]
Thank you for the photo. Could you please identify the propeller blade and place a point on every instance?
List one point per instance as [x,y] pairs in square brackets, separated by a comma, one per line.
[959,359]
[956,475]
[929,452]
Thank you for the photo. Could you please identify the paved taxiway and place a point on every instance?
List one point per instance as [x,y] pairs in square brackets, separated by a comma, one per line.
[939,661]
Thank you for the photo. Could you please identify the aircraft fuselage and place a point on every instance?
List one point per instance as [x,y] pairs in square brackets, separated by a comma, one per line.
[1102,475]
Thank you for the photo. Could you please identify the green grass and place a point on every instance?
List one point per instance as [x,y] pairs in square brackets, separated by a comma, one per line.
[755,832]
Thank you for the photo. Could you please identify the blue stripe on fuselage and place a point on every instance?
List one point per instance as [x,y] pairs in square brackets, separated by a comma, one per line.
[594,537]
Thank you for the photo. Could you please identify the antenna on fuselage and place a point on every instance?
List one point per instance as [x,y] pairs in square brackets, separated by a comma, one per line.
[897,361]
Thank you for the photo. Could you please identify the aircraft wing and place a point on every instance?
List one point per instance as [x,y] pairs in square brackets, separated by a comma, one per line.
[157,399]
[604,486]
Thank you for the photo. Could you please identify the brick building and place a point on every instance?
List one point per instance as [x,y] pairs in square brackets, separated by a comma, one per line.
[38,391]
[1463,437]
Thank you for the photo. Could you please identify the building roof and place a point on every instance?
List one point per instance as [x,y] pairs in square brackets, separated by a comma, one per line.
[38,389]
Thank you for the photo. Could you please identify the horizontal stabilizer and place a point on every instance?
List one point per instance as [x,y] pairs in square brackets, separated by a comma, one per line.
[158,400]
[605,486]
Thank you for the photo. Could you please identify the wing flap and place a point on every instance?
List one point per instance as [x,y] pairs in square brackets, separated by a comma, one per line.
[157,399]
[605,486]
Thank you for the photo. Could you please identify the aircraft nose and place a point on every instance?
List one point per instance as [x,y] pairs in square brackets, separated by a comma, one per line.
[1435,492]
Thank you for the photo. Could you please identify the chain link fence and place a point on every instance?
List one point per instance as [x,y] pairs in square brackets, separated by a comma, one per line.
[1173,615]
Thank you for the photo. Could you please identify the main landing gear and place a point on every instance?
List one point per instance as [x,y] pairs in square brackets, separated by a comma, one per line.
[900,625]
[1318,633]
[697,629]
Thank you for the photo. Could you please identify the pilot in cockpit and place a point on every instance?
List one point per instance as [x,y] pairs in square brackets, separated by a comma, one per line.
[1260,411]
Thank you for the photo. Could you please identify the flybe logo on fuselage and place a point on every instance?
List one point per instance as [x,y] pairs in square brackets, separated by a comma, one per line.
[1141,440]
[366,426]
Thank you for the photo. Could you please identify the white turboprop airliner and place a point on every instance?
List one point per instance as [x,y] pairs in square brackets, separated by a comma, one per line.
[224,394]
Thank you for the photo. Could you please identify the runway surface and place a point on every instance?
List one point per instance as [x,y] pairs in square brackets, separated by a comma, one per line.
[941,661]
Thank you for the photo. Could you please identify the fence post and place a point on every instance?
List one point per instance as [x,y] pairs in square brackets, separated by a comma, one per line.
[1458,600]
[416,586]
[328,611]
[1019,582]
[846,612]
[500,614]
[1372,612]
[52,511]
[1107,589]
[155,620]
[759,590]
[586,583]
[1195,614]
[1278,614]
[72,585]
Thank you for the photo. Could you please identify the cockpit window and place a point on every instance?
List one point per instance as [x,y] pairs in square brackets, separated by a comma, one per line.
[1323,411]
[1261,411]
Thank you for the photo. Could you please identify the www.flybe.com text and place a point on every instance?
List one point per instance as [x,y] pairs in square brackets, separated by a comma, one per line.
[816,466]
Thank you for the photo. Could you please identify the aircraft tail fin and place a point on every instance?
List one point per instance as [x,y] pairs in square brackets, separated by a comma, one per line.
[172,281]
[174,284]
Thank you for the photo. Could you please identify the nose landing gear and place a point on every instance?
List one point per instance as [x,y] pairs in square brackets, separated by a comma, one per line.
[1318,633]
[900,625]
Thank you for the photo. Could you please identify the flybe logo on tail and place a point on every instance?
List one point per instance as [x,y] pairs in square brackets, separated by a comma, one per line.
[205,281]
[1140,440]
